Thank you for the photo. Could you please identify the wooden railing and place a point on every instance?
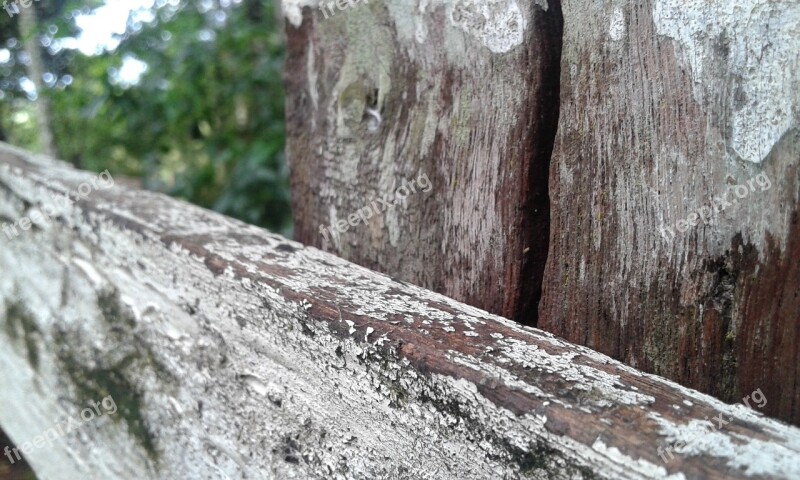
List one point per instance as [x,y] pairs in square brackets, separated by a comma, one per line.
[230,352]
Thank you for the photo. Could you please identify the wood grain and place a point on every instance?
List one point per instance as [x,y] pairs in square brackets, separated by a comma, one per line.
[235,353]
[666,106]
[467,93]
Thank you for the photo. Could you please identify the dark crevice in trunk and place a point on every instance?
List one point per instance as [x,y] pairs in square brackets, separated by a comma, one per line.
[544,116]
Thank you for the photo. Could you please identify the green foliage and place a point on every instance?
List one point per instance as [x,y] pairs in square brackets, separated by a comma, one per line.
[17,115]
[204,122]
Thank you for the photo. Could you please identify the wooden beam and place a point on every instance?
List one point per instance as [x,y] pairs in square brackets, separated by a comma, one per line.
[234,353]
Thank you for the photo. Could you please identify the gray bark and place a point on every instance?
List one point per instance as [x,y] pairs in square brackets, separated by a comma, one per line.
[234,353]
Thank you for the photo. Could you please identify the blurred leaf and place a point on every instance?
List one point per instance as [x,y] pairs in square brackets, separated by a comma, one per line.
[205,120]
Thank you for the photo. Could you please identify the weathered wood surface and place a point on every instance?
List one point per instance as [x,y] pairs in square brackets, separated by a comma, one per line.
[235,353]
[667,105]
[464,93]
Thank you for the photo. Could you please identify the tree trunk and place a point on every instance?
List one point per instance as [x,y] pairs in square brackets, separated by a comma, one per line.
[386,93]
[30,39]
[665,108]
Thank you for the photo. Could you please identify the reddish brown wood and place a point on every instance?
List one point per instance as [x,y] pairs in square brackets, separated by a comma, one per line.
[645,138]
[472,110]
[664,105]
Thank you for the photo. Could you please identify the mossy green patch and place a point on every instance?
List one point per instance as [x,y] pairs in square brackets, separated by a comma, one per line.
[112,310]
[95,383]
[111,373]
[539,458]
[20,327]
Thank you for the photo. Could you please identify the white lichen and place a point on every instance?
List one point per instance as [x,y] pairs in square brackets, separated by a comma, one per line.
[616,28]
[743,57]
[293,10]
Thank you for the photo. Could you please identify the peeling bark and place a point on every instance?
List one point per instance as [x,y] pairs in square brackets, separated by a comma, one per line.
[235,353]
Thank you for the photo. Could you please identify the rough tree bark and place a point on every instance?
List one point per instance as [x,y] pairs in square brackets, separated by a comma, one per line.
[664,106]
[389,91]
[668,106]
[231,352]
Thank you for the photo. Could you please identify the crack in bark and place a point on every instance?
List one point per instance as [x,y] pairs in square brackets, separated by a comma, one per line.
[544,116]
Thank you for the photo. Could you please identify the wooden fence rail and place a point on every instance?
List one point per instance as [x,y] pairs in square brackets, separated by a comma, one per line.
[230,352]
